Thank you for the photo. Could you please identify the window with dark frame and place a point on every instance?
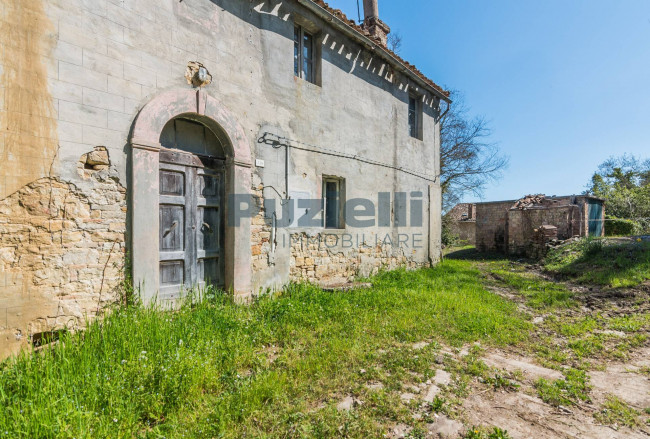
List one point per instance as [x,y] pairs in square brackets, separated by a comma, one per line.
[414,117]
[332,203]
[303,54]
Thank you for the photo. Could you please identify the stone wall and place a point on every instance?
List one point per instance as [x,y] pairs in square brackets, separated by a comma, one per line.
[75,75]
[62,253]
[110,58]
[466,231]
[523,225]
[261,230]
[321,258]
[28,139]
[507,229]
[492,226]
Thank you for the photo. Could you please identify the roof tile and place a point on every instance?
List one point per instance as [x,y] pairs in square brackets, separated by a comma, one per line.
[341,16]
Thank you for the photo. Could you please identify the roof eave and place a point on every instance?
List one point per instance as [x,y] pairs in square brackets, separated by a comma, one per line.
[373,46]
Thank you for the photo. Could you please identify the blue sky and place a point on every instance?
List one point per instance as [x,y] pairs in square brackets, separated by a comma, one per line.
[564,83]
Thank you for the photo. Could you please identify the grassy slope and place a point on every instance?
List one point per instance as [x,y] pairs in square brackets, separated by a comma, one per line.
[540,294]
[274,369]
[599,262]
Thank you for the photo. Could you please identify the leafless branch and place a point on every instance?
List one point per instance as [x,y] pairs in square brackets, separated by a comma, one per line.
[395,42]
[468,160]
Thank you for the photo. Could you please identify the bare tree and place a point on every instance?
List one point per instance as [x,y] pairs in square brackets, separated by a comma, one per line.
[395,42]
[468,160]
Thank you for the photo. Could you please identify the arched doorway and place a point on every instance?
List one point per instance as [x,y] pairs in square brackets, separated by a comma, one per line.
[192,167]
[188,156]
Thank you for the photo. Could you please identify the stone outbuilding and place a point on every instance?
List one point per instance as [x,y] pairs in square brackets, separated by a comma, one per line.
[461,220]
[520,227]
[204,143]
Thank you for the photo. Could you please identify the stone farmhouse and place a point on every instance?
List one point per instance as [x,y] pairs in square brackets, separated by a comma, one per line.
[182,143]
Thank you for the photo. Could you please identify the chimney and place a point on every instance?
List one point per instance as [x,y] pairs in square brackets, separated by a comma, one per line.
[372,23]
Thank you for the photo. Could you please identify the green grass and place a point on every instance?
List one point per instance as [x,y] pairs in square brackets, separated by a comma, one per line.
[585,338]
[277,368]
[485,433]
[599,262]
[576,327]
[500,381]
[574,387]
[630,323]
[617,412]
[539,293]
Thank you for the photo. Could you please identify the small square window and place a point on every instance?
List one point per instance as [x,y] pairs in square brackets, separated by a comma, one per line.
[415,117]
[303,54]
[333,201]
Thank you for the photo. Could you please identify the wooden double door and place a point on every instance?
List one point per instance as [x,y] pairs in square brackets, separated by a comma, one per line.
[191,223]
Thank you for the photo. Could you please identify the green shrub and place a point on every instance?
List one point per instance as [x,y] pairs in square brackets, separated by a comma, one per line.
[592,246]
[449,237]
[602,262]
[620,227]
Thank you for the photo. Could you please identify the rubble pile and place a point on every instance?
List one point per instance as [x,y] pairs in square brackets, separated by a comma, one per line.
[529,201]
[547,232]
[541,242]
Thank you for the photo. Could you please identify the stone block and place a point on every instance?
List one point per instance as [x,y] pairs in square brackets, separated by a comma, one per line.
[118,121]
[100,99]
[68,52]
[102,63]
[139,75]
[82,76]
[83,114]
[66,91]
[124,87]
[98,157]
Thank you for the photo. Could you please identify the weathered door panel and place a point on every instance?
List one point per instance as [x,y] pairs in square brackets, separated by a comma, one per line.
[191,226]
[172,278]
[210,233]
[175,248]
[172,224]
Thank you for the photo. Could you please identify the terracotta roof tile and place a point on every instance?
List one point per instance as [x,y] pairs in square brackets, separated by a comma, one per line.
[341,16]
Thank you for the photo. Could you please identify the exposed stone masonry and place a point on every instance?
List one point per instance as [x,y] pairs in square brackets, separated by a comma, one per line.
[320,259]
[261,230]
[62,253]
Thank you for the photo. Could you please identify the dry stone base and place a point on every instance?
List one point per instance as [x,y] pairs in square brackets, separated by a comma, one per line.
[320,259]
[62,251]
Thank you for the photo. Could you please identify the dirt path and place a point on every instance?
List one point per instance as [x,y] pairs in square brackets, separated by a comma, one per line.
[524,415]
[616,372]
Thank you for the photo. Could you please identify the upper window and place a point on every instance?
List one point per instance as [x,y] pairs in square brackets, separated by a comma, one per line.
[415,117]
[303,54]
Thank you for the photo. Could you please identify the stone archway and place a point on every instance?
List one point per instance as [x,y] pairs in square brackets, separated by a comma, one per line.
[145,149]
